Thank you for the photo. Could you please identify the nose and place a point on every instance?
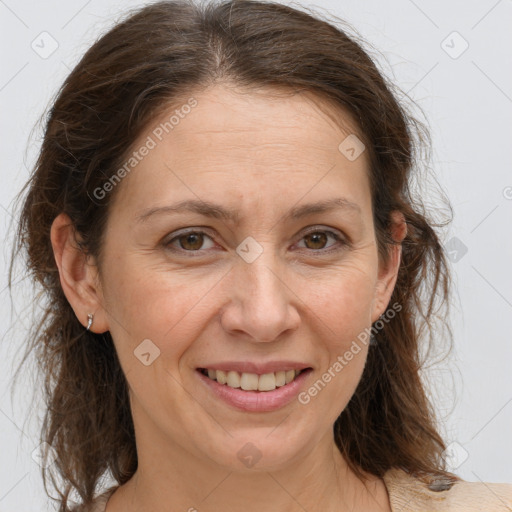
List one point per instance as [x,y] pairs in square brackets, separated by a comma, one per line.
[262,305]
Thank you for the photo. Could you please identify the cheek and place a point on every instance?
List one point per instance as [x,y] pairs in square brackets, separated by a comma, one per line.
[342,302]
[172,307]
[342,305]
[155,305]
[343,313]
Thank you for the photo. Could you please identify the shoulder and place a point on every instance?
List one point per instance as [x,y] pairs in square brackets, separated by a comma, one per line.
[407,492]
[99,504]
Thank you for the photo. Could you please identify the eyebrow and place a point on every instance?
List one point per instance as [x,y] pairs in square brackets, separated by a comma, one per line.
[217,211]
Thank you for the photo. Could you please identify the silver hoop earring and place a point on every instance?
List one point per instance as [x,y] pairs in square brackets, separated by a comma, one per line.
[90,316]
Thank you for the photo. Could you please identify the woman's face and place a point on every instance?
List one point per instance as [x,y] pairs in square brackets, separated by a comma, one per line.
[252,294]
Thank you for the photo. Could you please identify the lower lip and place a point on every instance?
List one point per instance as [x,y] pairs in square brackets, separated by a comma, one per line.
[256,401]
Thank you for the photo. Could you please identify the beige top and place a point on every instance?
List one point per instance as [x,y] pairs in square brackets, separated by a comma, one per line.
[409,494]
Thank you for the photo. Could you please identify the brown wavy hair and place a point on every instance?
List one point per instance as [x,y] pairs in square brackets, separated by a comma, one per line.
[152,58]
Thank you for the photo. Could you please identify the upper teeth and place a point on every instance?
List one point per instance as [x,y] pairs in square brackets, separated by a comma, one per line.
[253,381]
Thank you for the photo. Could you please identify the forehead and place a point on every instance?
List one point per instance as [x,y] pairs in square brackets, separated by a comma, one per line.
[248,140]
[266,114]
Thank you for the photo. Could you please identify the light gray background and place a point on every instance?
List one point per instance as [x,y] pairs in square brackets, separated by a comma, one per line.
[467,99]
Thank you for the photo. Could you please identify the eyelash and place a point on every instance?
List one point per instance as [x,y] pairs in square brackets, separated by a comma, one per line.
[341,240]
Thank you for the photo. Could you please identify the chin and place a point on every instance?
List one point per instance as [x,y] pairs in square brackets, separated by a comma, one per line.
[257,449]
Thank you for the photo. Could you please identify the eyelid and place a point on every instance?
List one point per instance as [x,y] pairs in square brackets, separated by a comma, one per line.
[321,228]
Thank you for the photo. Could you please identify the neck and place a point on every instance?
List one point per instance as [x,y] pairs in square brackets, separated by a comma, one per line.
[173,479]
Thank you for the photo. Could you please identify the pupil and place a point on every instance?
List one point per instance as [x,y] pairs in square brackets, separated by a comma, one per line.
[317,237]
[189,239]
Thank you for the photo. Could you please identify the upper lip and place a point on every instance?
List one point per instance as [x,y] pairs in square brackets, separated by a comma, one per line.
[258,368]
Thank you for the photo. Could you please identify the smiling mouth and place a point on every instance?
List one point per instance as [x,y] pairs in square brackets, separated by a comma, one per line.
[252,381]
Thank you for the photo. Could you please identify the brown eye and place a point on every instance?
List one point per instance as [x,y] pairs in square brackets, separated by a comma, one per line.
[192,241]
[316,240]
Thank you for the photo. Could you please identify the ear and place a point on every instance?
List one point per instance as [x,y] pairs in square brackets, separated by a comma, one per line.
[78,274]
[388,273]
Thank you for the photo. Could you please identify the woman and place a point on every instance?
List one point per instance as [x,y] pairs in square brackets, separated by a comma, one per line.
[221,221]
